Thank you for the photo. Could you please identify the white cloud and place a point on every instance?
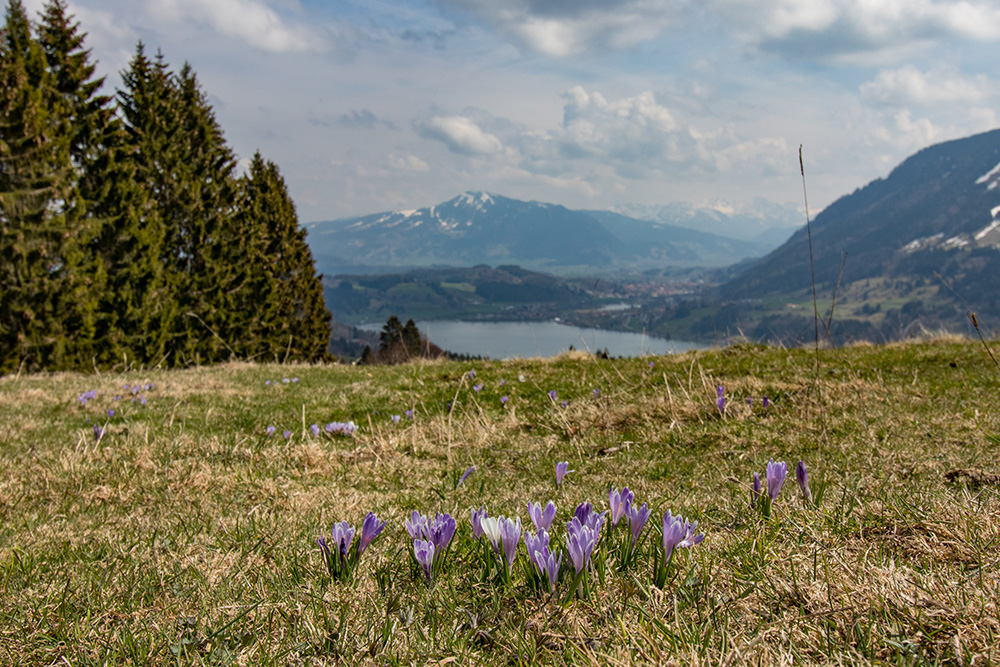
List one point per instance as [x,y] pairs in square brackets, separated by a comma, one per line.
[629,129]
[831,28]
[907,86]
[460,134]
[408,163]
[253,21]
[558,28]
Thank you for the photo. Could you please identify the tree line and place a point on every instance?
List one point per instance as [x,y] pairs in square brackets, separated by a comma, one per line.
[127,233]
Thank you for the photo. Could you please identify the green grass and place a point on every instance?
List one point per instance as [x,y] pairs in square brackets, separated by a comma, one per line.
[185,535]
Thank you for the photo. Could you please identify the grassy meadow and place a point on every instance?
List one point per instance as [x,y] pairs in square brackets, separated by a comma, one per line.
[185,534]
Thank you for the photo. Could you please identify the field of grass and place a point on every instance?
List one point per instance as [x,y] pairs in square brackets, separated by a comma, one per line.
[185,534]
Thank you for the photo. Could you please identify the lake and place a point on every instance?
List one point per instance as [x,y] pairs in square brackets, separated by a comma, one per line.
[505,340]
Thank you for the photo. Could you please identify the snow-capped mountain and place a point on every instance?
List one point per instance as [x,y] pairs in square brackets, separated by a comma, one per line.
[757,221]
[482,228]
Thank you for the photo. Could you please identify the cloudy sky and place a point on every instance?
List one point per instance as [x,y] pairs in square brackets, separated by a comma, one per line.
[374,105]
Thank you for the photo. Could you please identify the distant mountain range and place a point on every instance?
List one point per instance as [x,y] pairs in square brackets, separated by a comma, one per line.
[480,228]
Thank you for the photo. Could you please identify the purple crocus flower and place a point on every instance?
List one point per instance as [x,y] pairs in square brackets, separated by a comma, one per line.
[503,400]
[651,364]
[284,380]
[287,434]
[755,492]
[802,477]
[415,524]
[465,475]
[619,503]
[562,469]
[315,429]
[440,531]
[720,402]
[548,565]
[409,414]
[472,375]
[270,430]
[503,383]
[267,383]
[370,529]
[552,395]
[564,404]
[111,413]
[637,519]
[510,534]
[477,387]
[535,543]
[678,533]
[776,473]
[477,518]
[542,518]
[586,515]
[580,542]
[423,551]
[597,393]
[98,432]
[765,402]
[343,535]
[395,419]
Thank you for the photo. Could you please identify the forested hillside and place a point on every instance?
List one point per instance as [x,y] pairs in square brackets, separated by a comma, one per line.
[126,233]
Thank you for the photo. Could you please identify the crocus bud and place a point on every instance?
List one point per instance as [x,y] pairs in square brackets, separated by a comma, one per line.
[802,477]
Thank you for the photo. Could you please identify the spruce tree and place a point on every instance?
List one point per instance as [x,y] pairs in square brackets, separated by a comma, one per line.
[83,117]
[43,304]
[138,306]
[278,311]
[182,160]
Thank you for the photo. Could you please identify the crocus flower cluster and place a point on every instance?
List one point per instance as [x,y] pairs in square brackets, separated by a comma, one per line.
[341,560]
[431,540]
[342,428]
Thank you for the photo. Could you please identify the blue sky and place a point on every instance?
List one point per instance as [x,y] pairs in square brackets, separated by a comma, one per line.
[374,105]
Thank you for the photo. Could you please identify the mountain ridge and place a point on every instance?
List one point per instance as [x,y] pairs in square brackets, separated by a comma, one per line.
[483,228]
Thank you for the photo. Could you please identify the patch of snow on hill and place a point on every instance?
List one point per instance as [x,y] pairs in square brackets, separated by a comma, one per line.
[993,226]
[992,176]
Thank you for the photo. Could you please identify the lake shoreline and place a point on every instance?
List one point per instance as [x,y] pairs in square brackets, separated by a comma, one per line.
[528,339]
